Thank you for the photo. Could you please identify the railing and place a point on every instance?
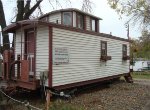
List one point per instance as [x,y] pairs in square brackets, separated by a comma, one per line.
[25,69]
[30,58]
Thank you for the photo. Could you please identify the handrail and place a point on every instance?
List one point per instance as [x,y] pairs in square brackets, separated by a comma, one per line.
[11,66]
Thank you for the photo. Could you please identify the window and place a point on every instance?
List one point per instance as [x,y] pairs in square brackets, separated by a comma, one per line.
[104,56]
[103,48]
[93,24]
[67,18]
[80,21]
[124,50]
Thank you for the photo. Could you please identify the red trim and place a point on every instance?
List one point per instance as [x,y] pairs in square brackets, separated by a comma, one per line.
[62,18]
[91,24]
[25,46]
[88,82]
[14,41]
[69,9]
[15,26]
[84,22]
[97,25]
[50,56]
[35,52]
[25,43]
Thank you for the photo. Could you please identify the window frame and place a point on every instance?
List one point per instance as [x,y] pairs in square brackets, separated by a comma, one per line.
[124,50]
[62,17]
[105,43]
[96,24]
[79,14]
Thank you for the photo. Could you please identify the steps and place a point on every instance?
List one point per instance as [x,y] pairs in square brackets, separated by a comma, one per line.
[3,84]
[7,86]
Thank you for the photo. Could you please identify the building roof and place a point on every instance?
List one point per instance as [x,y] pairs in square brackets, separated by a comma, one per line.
[69,9]
[33,23]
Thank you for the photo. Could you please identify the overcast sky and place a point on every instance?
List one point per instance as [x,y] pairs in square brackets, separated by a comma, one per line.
[110,23]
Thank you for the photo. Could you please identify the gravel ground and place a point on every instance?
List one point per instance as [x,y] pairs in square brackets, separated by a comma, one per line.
[142,81]
[116,96]
[119,96]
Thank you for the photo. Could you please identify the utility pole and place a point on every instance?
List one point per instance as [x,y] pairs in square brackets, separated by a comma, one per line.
[128,32]
[128,36]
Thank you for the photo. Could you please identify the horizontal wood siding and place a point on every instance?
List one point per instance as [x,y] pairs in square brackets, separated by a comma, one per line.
[74,19]
[17,46]
[42,50]
[18,43]
[54,17]
[88,23]
[84,53]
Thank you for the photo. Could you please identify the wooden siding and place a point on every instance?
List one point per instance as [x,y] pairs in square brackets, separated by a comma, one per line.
[74,19]
[88,23]
[57,16]
[18,43]
[54,17]
[17,46]
[42,50]
[84,53]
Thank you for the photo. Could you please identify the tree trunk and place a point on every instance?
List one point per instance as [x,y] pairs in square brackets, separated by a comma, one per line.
[28,13]
[6,43]
[24,12]
[20,7]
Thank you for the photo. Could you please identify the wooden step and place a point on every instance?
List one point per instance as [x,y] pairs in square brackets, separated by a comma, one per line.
[3,84]
[30,85]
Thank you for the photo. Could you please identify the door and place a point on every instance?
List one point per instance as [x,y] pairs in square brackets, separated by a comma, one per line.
[29,51]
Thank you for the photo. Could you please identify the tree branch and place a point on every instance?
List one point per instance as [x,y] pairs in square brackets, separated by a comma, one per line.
[27,14]
[27,6]
[20,7]
[3,25]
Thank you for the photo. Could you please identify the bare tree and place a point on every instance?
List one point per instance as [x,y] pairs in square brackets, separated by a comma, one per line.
[137,10]
[3,25]
[24,11]
[87,6]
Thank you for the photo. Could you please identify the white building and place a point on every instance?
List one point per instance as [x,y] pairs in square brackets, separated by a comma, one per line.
[139,65]
[67,43]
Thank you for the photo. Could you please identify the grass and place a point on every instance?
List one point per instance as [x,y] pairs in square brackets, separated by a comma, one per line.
[141,75]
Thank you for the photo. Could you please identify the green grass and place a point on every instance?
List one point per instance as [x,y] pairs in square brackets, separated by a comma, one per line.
[141,75]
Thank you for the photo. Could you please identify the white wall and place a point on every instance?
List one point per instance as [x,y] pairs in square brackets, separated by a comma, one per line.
[74,19]
[17,43]
[42,50]
[55,17]
[139,65]
[84,56]
[17,46]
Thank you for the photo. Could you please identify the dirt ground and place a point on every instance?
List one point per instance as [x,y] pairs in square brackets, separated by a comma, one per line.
[116,96]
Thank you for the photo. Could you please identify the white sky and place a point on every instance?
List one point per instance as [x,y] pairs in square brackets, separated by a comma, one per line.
[110,22]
